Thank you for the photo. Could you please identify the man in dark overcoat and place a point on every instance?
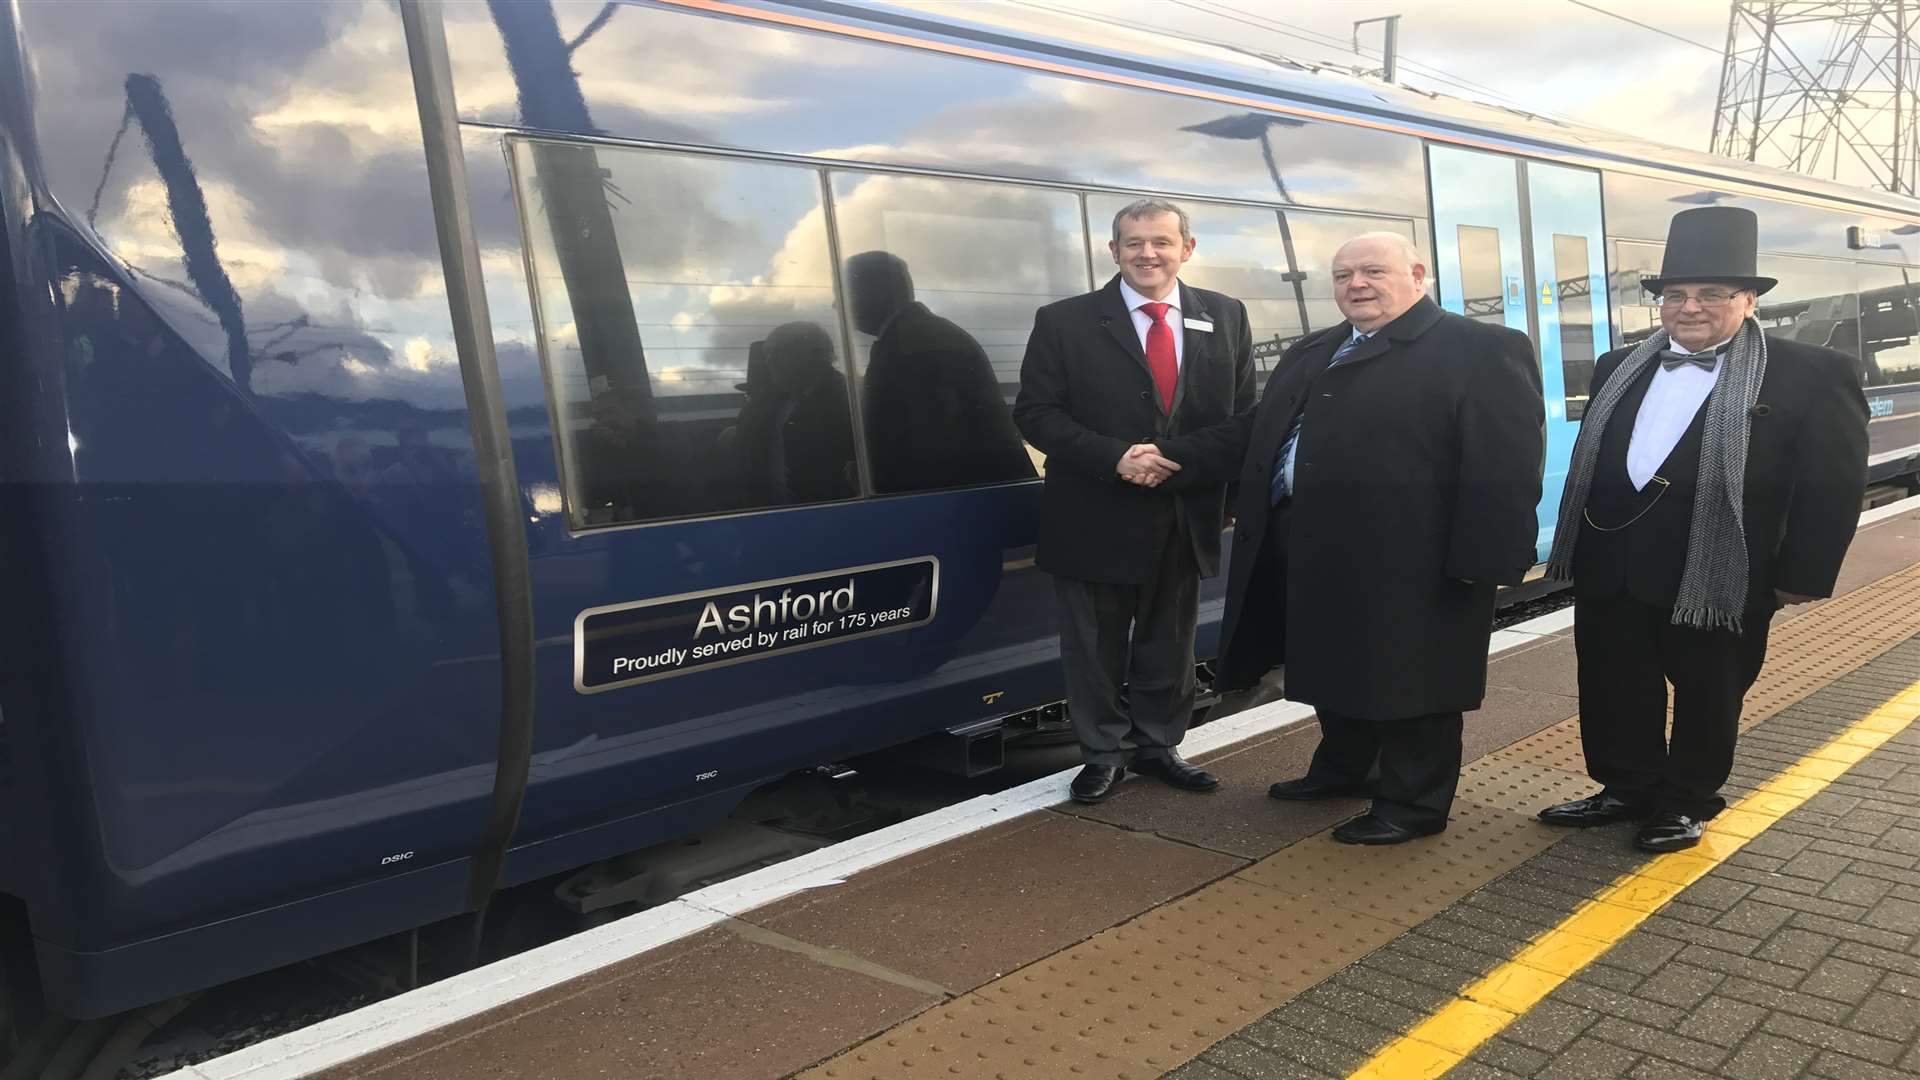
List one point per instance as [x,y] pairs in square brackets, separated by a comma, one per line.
[1105,374]
[1717,478]
[1388,486]
[935,417]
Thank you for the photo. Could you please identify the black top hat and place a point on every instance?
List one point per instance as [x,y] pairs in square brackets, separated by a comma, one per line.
[1712,243]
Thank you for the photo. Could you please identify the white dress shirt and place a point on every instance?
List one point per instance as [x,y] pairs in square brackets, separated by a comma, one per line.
[1673,398]
[1143,321]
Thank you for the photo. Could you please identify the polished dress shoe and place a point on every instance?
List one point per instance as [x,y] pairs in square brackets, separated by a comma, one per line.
[1368,829]
[1601,809]
[1094,783]
[1306,789]
[1668,831]
[1176,771]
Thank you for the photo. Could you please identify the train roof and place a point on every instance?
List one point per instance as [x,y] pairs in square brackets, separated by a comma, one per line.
[1168,58]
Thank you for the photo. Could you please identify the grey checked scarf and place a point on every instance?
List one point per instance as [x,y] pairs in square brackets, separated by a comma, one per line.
[1713,588]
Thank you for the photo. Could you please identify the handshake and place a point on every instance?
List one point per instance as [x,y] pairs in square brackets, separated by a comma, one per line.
[1143,465]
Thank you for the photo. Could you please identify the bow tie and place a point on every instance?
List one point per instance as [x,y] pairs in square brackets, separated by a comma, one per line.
[1670,359]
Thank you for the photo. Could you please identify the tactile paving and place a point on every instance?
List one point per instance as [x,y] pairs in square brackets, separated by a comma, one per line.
[1557,747]
[1405,883]
[1141,998]
[1506,782]
[1266,933]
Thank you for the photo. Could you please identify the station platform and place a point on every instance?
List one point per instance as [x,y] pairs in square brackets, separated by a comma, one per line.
[1226,937]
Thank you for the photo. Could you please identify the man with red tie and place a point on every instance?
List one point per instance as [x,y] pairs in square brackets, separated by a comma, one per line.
[1107,374]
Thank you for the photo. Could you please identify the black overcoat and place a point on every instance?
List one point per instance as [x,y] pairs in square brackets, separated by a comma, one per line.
[1086,396]
[1417,472]
[1800,499]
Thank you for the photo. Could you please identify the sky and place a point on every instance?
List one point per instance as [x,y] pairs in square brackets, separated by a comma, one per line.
[1547,56]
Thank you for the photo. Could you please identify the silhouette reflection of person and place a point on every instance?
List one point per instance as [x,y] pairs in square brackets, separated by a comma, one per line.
[795,433]
[935,416]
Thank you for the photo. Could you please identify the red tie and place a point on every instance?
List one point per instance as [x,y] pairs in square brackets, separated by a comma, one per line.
[1160,355]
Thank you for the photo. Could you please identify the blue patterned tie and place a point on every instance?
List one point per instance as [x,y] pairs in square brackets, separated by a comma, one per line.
[1278,487]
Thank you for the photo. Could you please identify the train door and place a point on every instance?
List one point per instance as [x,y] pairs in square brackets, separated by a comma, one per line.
[1520,244]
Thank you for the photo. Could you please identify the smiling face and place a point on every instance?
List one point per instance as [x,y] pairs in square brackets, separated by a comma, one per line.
[1150,252]
[1707,314]
[1375,280]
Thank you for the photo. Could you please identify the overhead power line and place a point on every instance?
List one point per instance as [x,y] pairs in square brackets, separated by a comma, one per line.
[1636,22]
[1429,71]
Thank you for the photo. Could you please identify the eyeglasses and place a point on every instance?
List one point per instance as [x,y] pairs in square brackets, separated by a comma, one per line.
[1708,298]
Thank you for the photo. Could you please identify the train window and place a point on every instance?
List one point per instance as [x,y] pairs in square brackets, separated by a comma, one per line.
[1480,278]
[687,322]
[1635,315]
[739,82]
[942,278]
[1888,331]
[1571,278]
[1817,301]
[1641,207]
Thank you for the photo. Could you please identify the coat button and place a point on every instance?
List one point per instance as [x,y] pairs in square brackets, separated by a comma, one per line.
[1144,394]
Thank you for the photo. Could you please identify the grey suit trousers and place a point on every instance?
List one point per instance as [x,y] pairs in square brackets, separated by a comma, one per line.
[1128,654]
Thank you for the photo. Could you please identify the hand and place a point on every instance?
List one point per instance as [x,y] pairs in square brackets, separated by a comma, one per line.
[1785,598]
[1143,465]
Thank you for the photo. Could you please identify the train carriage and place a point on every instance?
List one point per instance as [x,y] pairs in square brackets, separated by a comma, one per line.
[400,510]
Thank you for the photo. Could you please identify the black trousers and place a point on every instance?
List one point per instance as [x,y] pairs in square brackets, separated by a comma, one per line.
[1628,651]
[1128,654]
[1416,760]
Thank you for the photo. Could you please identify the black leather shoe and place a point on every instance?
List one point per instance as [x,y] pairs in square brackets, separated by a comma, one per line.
[1306,789]
[1367,829]
[1094,783]
[1601,809]
[1669,831]
[1176,771]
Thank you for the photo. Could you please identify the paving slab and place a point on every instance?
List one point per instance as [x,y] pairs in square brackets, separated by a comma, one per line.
[1238,818]
[963,913]
[715,1006]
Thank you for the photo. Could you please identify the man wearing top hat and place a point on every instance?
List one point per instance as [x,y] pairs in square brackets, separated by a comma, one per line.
[1717,478]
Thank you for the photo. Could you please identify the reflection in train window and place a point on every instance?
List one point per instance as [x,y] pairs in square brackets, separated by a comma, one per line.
[1572,285]
[942,278]
[687,321]
[1635,315]
[1887,326]
[1482,293]
[1816,302]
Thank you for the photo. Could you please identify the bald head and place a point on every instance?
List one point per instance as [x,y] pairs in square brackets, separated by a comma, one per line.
[1377,276]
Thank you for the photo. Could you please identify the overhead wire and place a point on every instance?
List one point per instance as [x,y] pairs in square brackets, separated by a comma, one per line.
[1644,26]
[1429,71]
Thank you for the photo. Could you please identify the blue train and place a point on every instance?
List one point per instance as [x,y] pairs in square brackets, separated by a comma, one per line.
[443,448]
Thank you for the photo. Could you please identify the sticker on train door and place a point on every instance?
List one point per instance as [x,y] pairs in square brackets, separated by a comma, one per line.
[626,644]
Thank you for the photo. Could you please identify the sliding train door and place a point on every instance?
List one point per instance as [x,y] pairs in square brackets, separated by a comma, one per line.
[1520,244]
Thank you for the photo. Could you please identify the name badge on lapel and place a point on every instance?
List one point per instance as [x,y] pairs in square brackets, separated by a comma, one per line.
[1197,324]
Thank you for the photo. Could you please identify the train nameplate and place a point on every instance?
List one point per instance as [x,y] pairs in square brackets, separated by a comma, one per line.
[624,644]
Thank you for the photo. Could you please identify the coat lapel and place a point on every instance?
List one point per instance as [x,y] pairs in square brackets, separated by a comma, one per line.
[1193,346]
[1119,323]
[1412,322]
[1286,391]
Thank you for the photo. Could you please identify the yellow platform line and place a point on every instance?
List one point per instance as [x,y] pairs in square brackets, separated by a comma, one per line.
[1483,1009]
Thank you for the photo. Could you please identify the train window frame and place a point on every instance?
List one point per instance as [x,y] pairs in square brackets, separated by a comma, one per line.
[529,220]
[1418,227]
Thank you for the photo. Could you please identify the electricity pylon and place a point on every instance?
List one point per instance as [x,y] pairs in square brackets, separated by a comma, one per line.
[1823,87]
